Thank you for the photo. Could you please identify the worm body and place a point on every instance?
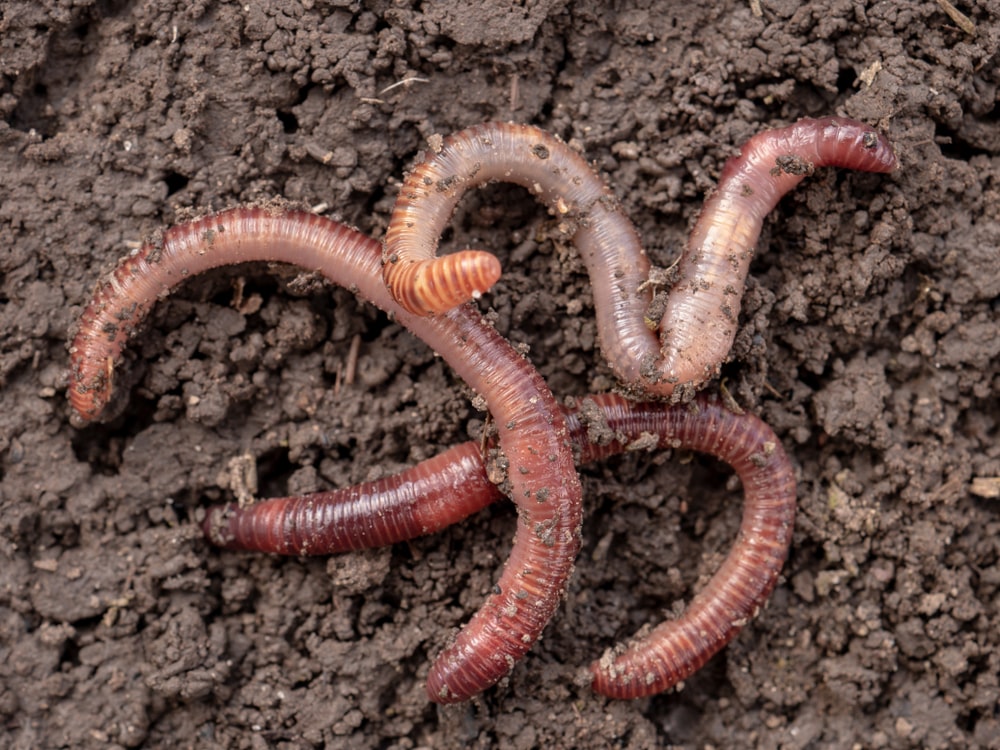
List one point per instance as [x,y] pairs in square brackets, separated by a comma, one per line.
[561,179]
[702,309]
[405,506]
[675,649]
[531,429]
[698,322]
[420,500]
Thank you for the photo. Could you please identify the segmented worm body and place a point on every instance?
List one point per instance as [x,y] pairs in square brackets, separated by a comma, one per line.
[696,330]
[420,500]
[563,181]
[676,649]
[531,429]
[702,309]
[416,501]
[698,322]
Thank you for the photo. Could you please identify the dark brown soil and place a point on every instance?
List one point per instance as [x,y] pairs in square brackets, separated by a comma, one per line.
[870,342]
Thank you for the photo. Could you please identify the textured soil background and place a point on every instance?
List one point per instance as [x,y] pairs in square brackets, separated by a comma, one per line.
[869,342]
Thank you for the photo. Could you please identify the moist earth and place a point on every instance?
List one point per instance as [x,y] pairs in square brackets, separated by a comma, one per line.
[868,341]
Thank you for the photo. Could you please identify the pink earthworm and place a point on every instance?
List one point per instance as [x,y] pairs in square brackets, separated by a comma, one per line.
[697,322]
[542,480]
[453,485]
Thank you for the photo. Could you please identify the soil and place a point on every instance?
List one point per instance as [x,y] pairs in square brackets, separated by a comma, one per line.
[869,342]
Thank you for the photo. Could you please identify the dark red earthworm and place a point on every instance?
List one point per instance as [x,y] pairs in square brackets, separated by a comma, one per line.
[531,429]
[676,649]
[456,486]
[419,500]
[698,323]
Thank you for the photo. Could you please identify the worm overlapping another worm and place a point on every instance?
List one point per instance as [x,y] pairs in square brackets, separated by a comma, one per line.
[603,235]
[676,649]
[531,429]
[452,486]
[698,323]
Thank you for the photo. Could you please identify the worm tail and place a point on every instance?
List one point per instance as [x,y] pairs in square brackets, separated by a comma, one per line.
[420,500]
[426,287]
[237,235]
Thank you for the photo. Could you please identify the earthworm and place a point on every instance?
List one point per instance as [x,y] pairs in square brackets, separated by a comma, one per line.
[676,649]
[697,322]
[420,500]
[542,480]
[454,485]
[563,181]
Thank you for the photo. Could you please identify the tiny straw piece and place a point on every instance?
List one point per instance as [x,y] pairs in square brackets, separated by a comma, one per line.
[961,20]
[351,368]
[404,82]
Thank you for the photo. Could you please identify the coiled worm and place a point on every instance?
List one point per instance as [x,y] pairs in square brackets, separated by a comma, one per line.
[531,429]
[453,485]
[698,322]
[675,649]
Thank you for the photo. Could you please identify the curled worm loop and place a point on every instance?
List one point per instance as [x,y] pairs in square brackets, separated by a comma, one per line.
[531,428]
[677,648]
[449,487]
[684,346]
[562,180]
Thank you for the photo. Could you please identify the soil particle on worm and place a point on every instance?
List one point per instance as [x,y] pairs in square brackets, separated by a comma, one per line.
[867,340]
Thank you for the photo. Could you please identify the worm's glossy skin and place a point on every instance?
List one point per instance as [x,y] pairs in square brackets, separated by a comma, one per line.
[697,328]
[456,485]
[531,428]
[562,180]
[700,320]
[676,649]
[420,500]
